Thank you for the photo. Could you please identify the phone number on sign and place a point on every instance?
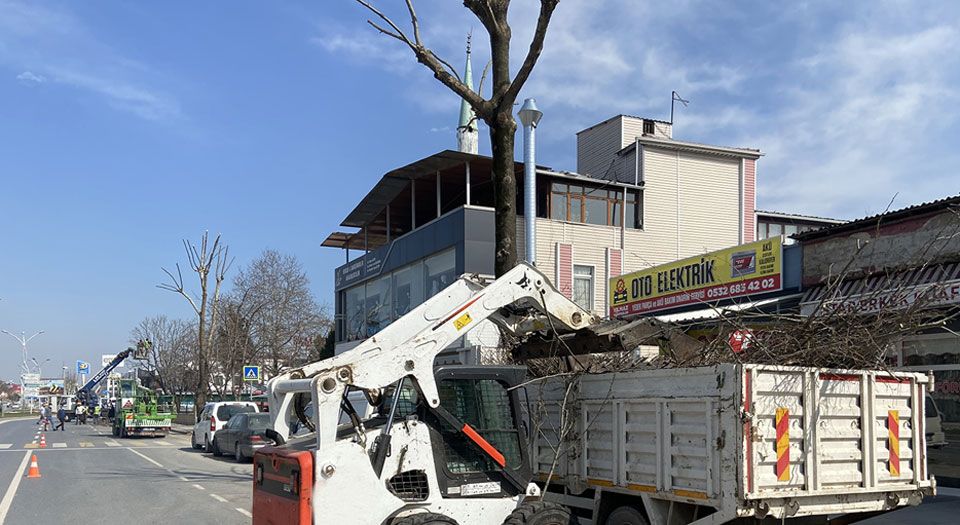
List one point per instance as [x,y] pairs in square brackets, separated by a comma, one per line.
[764,284]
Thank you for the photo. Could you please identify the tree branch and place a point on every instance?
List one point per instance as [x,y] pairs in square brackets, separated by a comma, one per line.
[536,47]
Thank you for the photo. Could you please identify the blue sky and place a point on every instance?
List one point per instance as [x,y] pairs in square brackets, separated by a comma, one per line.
[127,127]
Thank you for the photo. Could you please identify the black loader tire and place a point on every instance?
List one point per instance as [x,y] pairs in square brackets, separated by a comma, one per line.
[626,515]
[540,513]
[425,518]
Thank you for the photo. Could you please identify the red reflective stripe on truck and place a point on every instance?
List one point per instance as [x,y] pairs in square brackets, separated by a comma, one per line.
[899,380]
[746,429]
[484,444]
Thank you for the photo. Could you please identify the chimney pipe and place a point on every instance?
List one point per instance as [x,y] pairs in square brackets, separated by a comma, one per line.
[530,117]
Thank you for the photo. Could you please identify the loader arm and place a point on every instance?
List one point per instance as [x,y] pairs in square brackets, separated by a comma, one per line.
[520,301]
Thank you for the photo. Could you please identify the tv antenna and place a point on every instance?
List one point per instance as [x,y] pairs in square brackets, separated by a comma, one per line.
[674,98]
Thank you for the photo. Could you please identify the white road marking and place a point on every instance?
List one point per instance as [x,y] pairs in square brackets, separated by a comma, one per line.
[6,445]
[221,499]
[198,487]
[245,512]
[111,443]
[151,460]
[59,445]
[12,488]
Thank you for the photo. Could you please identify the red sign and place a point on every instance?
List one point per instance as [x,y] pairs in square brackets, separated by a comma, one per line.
[740,340]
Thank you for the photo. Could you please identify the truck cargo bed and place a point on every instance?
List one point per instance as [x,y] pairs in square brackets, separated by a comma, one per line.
[739,440]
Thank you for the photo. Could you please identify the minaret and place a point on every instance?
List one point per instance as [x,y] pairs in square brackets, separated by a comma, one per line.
[467,132]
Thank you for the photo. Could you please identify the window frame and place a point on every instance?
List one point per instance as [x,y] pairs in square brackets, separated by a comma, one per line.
[593,284]
[614,197]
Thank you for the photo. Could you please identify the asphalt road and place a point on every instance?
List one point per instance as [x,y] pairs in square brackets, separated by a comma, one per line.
[88,476]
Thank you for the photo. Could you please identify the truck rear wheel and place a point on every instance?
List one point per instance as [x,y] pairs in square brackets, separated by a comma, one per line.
[540,513]
[625,515]
[424,518]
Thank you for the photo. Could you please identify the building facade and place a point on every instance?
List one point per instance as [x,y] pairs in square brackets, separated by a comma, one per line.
[424,224]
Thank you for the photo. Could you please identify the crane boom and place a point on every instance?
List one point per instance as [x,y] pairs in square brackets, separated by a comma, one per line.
[83,394]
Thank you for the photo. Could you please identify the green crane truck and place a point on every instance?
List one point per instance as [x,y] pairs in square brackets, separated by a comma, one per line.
[138,412]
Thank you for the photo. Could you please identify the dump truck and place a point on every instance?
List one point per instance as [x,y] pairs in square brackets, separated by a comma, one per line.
[139,413]
[462,444]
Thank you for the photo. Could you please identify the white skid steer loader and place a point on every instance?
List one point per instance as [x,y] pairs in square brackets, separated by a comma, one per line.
[439,446]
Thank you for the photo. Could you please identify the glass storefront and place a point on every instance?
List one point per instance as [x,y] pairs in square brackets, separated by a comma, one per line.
[370,307]
[939,353]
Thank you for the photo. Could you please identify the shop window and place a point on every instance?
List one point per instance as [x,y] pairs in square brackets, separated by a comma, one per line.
[354,312]
[774,230]
[583,286]
[439,272]
[378,305]
[407,289]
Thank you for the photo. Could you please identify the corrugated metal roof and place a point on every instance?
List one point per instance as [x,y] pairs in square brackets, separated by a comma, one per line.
[883,281]
[886,217]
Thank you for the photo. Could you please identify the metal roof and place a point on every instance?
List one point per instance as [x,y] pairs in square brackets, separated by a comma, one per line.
[648,140]
[393,183]
[886,217]
[797,216]
[883,281]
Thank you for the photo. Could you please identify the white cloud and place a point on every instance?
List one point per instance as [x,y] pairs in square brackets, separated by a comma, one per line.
[54,46]
[29,77]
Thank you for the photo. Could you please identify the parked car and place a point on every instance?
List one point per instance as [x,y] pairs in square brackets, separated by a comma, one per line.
[242,436]
[214,417]
[932,421]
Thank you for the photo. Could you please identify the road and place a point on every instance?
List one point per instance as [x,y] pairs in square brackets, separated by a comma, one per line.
[88,476]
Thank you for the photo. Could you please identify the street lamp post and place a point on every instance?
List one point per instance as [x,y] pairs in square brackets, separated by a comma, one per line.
[23,340]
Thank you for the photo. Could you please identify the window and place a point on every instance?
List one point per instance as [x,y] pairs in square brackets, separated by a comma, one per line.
[774,230]
[583,286]
[595,205]
[378,305]
[353,312]
[484,405]
[648,127]
[225,412]
[439,271]
[407,289]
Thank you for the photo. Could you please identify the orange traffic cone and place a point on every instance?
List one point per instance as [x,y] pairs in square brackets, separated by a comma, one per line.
[34,468]
[43,441]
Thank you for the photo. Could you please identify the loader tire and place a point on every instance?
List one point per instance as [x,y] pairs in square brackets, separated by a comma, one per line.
[540,513]
[425,518]
[625,515]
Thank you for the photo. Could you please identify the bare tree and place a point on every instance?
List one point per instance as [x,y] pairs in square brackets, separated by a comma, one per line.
[208,260]
[275,295]
[496,111]
[171,347]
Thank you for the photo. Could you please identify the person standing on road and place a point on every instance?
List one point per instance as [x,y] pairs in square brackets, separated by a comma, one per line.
[61,417]
[77,413]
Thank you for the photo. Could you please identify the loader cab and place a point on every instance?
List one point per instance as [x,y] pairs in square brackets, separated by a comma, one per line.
[481,397]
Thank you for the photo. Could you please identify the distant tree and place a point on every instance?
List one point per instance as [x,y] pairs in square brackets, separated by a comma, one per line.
[171,348]
[283,315]
[329,343]
[496,111]
[210,263]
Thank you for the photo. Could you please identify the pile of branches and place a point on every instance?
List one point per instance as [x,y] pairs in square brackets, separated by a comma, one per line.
[858,322]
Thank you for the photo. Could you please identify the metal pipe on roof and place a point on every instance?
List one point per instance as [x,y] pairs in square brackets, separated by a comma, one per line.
[530,117]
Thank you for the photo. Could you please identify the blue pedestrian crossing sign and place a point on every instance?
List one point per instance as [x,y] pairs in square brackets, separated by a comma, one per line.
[251,373]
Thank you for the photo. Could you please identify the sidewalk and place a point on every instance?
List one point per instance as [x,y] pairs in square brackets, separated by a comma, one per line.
[177,428]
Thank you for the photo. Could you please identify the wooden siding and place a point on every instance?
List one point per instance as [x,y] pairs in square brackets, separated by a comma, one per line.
[749,199]
[709,203]
[597,148]
[633,128]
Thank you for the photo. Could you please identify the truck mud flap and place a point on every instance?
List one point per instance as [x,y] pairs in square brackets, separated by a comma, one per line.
[282,486]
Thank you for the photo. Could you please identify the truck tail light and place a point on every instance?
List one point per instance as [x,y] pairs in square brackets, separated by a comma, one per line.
[255,439]
[213,424]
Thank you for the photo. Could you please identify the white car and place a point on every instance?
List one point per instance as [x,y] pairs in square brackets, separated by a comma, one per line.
[214,417]
[932,421]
